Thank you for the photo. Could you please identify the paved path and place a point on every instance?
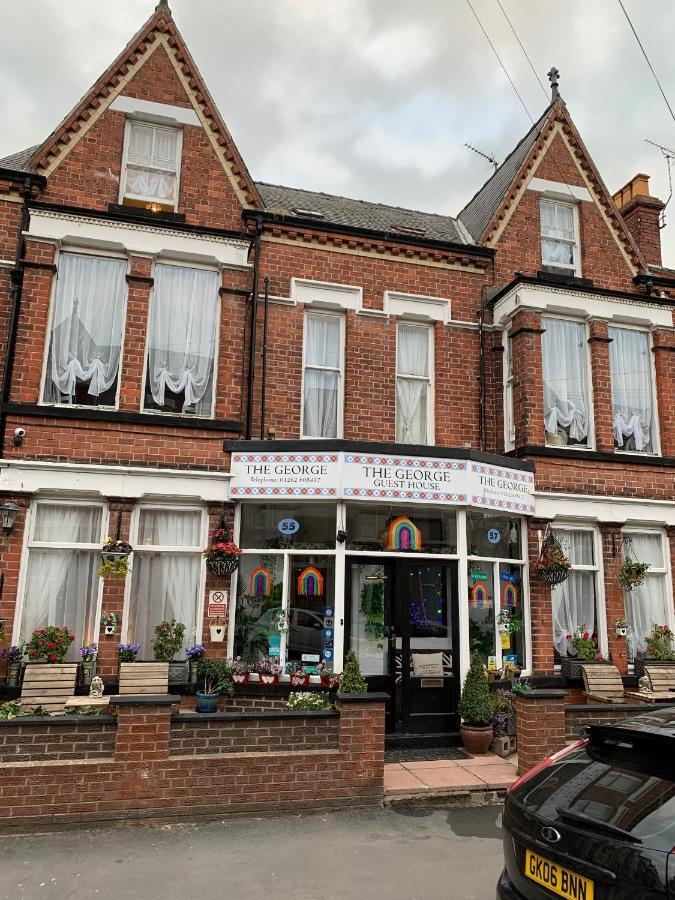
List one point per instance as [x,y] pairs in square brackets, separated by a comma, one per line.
[443,776]
[392,854]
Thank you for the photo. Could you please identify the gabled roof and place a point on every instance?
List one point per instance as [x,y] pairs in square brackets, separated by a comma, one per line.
[298,203]
[19,161]
[478,212]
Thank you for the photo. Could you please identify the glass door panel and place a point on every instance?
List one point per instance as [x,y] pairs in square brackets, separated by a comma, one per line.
[369,620]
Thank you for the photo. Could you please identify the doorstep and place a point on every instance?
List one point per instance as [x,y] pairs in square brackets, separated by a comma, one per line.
[471,781]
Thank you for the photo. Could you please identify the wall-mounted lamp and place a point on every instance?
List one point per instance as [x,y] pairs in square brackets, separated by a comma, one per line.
[8,514]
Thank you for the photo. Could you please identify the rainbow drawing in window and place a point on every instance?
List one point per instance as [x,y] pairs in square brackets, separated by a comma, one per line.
[480,598]
[310,582]
[509,596]
[261,582]
[402,534]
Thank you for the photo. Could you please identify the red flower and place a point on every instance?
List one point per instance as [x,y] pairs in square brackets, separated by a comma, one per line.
[59,641]
[52,658]
[52,645]
[586,635]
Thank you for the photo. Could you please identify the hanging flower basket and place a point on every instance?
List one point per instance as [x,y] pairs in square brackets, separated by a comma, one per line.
[115,558]
[553,566]
[632,574]
[222,554]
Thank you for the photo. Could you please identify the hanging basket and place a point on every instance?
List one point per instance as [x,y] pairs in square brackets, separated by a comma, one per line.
[553,567]
[222,554]
[632,573]
[222,566]
[553,576]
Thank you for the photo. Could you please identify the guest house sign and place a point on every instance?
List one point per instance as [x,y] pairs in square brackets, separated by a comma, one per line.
[383,478]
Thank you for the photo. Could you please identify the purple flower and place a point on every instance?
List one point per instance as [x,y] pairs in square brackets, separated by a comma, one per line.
[15,652]
[89,651]
[195,652]
[127,652]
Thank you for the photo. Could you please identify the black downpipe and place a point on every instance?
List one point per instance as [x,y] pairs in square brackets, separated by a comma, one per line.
[481,358]
[16,276]
[264,359]
[254,318]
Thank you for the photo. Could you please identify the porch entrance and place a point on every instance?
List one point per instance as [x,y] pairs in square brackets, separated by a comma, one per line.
[401,620]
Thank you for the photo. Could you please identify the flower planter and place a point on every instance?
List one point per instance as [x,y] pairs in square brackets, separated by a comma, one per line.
[570,666]
[329,681]
[299,680]
[268,679]
[139,672]
[14,673]
[87,671]
[178,672]
[240,677]
[217,633]
[206,703]
[476,740]
[640,662]
[224,566]
[553,576]
[193,665]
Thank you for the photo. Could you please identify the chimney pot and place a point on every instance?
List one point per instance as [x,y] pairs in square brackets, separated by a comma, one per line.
[641,212]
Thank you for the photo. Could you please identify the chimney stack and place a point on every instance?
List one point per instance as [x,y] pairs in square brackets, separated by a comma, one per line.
[641,213]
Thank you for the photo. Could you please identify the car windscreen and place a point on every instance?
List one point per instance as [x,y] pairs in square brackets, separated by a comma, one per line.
[596,787]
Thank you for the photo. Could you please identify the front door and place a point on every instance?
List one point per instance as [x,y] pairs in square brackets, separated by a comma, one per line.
[401,621]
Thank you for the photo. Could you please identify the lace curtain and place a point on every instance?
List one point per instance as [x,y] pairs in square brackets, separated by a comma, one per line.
[151,162]
[557,230]
[165,585]
[87,324]
[563,346]
[646,605]
[411,392]
[573,601]
[182,336]
[630,365]
[62,584]
[322,373]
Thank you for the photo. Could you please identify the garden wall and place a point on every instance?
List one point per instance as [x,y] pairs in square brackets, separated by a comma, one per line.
[165,766]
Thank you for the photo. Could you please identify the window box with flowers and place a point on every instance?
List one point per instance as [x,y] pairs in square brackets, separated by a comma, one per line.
[660,650]
[222,555]
[241,670]
[268,670]
[328,679]
[299,677]
[586,653]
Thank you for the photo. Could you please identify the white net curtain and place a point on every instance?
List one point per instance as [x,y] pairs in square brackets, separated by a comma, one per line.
[630,366]
[322,375]
[573,601]
[557,234]
[182,336]
[87,325]
[412,384]
[563,345]
[151,163]
[647,604]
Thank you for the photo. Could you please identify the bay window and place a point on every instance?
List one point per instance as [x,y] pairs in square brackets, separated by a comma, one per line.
[559,237]
[565,375]
[182,328]
[87,324]
[575,601]
[413,384]
[166,574]
[632,390]
[62,584]
[650,603]
[151,165]
[322,376]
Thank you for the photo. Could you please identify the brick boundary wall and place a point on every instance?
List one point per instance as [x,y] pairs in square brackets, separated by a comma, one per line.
[540,724]
[57,738]
[578,717]
[144,782]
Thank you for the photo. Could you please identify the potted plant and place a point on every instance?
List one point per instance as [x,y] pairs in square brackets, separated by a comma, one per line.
[241,670]
[109,623]
[222,554]
[115,558]
[127,652]
[659,650]
[215,677]
[88,663]
[476,708]
[14,656]
[553,566]
[351,680]
[168,641]
[632,573]
[620,626]
[194,654]
[306,701]
[299,678]
[268,670]
[328,679]
[50,644]
[585,652]
[217,630]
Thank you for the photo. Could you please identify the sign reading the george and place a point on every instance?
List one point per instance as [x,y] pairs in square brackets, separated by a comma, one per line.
[270,475]
[413,479]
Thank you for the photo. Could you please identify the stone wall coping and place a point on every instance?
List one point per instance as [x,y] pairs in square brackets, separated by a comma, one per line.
[144,699]
[375,697]
[58,720]
[542,694]
[608,707]
[252,716]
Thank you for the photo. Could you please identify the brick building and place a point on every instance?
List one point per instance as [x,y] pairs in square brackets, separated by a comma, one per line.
[388,407]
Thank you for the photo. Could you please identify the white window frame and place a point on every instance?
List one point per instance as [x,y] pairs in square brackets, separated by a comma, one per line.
[664,571]
[507,376]
[599,580]
[429,379]
[590,437]
[155,548]
[575,268]
[340,372]
[30,544]
[125,156]
[656,429]
[101,254]
[216,348]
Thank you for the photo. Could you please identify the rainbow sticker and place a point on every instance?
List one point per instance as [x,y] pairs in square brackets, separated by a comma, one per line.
[480,598]
[509,596]
[403,534]
[261,582]
[310,582]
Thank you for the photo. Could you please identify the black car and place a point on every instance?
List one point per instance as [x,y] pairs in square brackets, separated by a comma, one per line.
[597,820]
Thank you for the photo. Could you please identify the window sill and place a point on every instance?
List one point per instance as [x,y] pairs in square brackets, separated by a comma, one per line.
[147,215]
[597,455]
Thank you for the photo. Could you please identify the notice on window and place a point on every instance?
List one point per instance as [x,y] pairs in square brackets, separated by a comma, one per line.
[427,665]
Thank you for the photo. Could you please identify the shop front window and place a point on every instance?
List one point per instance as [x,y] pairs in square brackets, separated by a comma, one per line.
[491,535]
[309,526]
[482,614]
[311,611]
[402,529]
[260,588]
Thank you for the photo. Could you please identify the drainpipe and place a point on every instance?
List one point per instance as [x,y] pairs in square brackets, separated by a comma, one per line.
[264,359]
[481,382]
[16,276]
[254,317]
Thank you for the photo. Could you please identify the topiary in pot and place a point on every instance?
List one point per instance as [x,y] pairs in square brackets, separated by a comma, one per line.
[351,680]
[477,709]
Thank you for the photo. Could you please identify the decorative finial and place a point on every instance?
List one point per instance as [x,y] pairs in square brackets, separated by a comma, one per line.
[553,76]
[163,4]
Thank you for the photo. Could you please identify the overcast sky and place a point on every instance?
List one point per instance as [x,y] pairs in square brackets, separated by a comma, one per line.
[371,98]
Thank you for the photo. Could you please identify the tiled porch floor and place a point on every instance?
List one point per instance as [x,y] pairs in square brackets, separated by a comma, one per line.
[426,777]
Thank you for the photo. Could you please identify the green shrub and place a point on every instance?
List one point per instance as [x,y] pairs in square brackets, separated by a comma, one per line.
[477,705]
[215,676]
[168,640]
[304,700]
[351,680]
[83,711]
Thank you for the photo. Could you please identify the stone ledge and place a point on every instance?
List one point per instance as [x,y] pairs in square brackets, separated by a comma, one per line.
[58,720]
[595,708]
[145,700]
[542,694]
[192,716]
[375,697]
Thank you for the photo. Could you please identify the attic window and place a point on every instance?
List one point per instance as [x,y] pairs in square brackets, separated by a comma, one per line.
[151,166]
[309,213]
[408,229]
[560,237]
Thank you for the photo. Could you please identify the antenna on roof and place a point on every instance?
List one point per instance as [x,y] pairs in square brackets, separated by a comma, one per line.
[669,156]
[490,159]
